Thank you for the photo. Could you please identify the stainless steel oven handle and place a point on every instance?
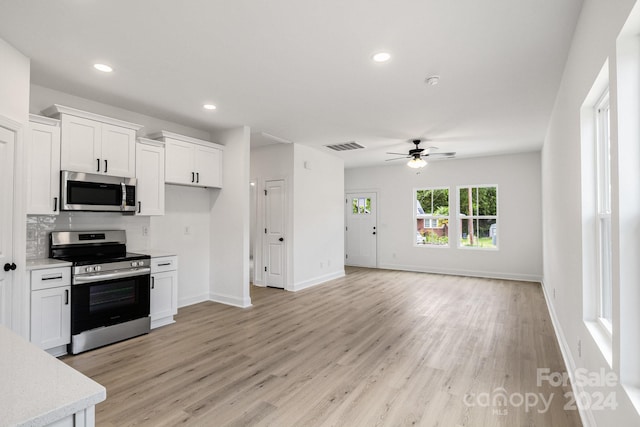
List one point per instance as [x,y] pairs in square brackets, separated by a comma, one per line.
[99,277]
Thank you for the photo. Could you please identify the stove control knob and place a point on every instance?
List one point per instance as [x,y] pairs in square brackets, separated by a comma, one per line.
[89,269]
[134,263]
[97,268]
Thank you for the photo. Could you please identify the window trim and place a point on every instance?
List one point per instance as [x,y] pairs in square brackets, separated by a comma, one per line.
[603,210]
[436,217]
[460,217]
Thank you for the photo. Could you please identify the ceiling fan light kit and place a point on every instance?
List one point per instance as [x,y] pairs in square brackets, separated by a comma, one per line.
[416,163]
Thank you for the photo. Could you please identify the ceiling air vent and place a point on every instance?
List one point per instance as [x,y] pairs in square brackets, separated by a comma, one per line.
[345,147]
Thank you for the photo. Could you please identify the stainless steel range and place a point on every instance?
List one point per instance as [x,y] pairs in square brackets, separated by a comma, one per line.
[110,287]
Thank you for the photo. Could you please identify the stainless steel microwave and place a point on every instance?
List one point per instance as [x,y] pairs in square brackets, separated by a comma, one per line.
[96,193]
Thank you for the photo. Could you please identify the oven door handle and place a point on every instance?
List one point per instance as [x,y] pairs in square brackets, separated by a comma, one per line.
[99,277]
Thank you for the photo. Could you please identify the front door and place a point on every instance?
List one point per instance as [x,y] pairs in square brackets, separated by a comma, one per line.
[361,232]
[275,244]
[7,143]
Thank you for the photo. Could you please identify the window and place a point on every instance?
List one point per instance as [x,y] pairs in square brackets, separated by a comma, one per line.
[478,215]
[603,223]
[431,220]
[361,206]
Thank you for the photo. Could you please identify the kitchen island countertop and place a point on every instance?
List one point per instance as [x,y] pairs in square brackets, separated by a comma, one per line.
[36,388]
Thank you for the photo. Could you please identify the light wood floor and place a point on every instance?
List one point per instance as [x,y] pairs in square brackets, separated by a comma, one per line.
[374,348]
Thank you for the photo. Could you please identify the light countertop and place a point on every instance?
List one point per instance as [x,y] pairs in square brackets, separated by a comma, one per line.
[40,263]
[37,389]
[154,253]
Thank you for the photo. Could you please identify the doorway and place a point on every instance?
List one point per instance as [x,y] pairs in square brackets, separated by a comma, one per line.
[361,234]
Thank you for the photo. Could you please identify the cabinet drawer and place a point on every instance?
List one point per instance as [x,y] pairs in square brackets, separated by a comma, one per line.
[168,263]
[50,278]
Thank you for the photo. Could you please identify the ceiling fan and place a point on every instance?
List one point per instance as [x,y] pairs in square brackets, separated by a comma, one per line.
[416,155]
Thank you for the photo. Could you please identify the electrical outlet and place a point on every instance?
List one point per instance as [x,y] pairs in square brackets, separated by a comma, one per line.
[145,230]
[321,264]
[187,230]
[328,263]
[554,293]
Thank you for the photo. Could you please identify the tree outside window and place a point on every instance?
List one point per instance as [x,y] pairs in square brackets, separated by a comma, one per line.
[478,215]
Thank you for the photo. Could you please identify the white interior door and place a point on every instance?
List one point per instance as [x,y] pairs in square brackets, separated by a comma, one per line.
[361,232]
[7,143]
[275,243]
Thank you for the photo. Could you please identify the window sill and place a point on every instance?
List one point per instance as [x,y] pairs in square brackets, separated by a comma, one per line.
[476,248]
[602,339]
[633,393]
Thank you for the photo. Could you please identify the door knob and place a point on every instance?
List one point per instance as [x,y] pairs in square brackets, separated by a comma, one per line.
[8,267]
[281,239]
[374,232]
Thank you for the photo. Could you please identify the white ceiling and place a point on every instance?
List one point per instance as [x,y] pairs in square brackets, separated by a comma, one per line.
[302,70]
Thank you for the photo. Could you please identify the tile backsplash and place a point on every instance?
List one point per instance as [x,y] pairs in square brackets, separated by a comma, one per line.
[39,227]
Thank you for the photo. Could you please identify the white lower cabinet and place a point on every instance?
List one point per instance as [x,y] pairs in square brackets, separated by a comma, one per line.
[51,309]
[164,290]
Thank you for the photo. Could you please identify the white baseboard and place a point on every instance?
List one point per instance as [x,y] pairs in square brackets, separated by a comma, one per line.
[586,416]
[317,281]
[230,300]
[471,273]
[184,302]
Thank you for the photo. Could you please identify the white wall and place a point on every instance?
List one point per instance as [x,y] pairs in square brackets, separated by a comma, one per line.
[318,217]
[14,83]
[185,207]
[594,42]
[268,163]
[519,215]
[229,253]
[42,98]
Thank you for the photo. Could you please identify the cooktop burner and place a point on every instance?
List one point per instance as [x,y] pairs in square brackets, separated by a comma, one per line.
[91,247]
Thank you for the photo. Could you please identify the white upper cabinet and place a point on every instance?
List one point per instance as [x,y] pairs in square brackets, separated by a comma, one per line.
[150,177]
[96,144]
[179,165]
[42,145]
[208,163]
[191,161]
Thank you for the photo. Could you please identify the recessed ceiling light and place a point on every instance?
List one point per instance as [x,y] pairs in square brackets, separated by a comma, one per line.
[432,80]
[382,57]
[103,67]
[209,107]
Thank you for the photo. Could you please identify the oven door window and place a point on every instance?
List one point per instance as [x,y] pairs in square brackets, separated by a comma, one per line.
[112,296]
[94,305]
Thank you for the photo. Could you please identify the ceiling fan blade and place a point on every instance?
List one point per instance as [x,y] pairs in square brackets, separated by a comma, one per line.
[399,154]
[450,154]
[398,158]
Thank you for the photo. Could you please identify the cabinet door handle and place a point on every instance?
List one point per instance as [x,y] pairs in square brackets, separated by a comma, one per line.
[139,207]
[66,297]
[98,161]
[164,264]
[105,166]
[52,278]
[153,282]
[55,204]
[197,177]
[193,177]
